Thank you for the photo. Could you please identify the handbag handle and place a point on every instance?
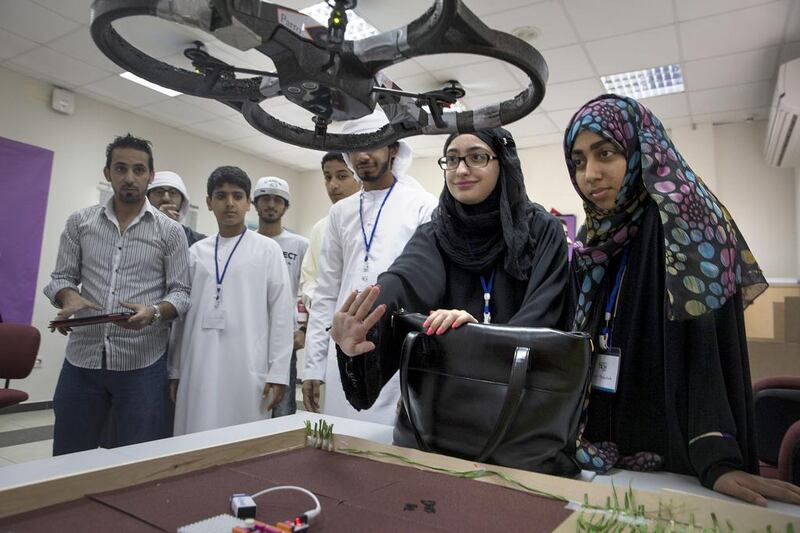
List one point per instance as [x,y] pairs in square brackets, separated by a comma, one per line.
[511,403]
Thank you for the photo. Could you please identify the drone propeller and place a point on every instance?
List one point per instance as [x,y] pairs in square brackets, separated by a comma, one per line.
[318,69]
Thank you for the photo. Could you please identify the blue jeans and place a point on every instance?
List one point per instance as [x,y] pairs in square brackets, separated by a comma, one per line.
[288,405]
[85,400]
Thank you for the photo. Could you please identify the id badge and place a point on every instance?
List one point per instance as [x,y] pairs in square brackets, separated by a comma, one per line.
[214,318]
[606,370]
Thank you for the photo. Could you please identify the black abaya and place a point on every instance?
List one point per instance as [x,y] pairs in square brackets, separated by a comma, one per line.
[423,278]
[680,381]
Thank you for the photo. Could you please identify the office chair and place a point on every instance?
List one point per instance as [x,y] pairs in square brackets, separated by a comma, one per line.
[777,414]
[19,345]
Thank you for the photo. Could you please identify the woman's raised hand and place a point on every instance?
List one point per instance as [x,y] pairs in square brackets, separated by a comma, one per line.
[353,320]
[439,321]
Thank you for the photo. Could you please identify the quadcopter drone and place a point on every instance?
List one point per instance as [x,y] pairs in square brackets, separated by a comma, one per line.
[317,69]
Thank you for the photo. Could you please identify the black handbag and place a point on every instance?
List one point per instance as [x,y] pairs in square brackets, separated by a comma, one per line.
[503,395]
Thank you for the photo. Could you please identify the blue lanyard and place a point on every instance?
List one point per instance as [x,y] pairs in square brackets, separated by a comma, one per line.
[487,296]
[611,309]
[228,262]
[368,243]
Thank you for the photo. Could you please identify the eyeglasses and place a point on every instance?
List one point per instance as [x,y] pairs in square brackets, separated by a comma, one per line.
[161,191]
[473,160]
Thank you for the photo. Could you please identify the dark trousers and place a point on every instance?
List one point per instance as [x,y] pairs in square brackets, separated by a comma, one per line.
[86,399]
[288,405]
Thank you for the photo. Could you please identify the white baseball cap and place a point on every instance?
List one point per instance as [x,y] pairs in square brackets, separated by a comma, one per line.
[272,185]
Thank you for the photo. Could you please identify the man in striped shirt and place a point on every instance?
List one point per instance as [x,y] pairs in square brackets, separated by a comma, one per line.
[121,256]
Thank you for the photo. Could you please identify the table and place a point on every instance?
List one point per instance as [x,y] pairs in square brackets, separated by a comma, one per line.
[98,461]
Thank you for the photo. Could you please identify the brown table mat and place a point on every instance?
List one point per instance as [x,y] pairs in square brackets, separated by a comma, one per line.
[357,494]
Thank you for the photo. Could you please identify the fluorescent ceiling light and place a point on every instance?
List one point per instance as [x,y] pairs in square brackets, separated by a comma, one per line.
[150,85]
[654,81]
[357,28]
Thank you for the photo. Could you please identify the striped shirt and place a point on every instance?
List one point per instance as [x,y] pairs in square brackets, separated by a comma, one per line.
[147,264]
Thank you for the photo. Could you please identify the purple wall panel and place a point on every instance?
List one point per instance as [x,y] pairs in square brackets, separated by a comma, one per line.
[572,230]
[24,184]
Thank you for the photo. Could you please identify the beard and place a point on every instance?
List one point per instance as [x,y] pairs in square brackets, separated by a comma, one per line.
[129,196]
[375,176]
[270,216]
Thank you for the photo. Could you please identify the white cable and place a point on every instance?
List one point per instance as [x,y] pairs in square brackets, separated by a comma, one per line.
[310,514]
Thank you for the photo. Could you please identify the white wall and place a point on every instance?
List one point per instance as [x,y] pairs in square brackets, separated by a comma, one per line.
[761,198]
[797,217]
[79,142]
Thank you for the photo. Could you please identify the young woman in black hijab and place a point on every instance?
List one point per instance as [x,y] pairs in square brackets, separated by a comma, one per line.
[663,274]
[485,238]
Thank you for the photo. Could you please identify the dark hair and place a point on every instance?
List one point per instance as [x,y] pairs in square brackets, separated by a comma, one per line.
[228,174]
[129,141]
[332,156]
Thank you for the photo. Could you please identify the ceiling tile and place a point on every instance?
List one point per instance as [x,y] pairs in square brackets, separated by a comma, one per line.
[495,6]
[561,118]
[668,105]
[749,96]
[571,95]
[222,129]
[120,89]
[389,15]
[254,58]
[32,21]
[475,102]
[435,62]
[291,114]
[12,45]
[424,81]
[178,112]
[547,17]
[483,78]
[75,10]
[213,106]
[409,67]
[734,69]
[692,9]
[79,45]
[59,68]
[596,20]
[737,31]
[743,115]
[155,37]
[533,124]
[566,64]
[635,51]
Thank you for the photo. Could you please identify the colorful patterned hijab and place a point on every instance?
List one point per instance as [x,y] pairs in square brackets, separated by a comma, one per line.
[706,258]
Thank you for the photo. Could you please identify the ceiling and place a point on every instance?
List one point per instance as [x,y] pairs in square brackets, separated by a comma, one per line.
[729,51]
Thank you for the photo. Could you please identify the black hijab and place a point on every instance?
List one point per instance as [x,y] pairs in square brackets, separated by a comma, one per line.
[475,236]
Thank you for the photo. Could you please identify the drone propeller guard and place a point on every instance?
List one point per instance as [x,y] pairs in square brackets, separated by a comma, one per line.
[333,78]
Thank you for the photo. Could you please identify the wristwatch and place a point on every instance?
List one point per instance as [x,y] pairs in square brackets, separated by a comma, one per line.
[156,316]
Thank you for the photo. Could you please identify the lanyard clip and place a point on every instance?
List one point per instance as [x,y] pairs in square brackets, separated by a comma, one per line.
[603,341]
